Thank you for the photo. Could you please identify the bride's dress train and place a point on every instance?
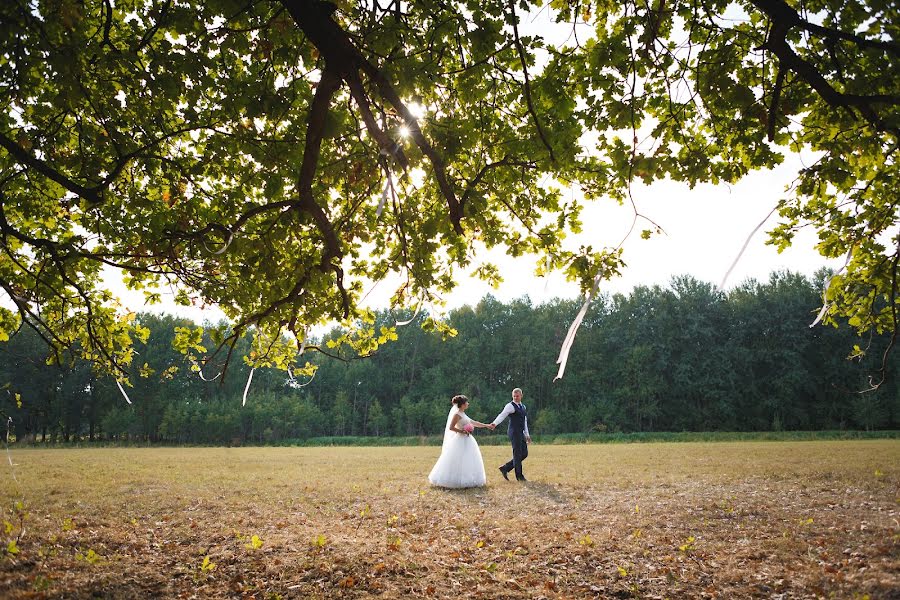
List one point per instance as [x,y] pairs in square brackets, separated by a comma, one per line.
[460,464]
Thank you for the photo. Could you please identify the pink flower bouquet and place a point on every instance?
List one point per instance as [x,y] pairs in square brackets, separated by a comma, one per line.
[469,428]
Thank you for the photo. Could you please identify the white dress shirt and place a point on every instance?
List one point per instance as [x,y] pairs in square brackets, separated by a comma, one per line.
[508,410]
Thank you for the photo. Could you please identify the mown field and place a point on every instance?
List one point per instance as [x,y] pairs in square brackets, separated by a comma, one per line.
[687,520]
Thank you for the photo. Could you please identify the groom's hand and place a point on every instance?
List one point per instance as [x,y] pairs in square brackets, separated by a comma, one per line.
[492,426]
[528,439]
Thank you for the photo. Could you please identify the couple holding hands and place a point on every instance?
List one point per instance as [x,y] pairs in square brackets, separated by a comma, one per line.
[460,464]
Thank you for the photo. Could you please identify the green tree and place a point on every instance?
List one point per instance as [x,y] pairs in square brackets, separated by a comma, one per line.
[341,413]
[548,421]
[377,419]
[314,143]
[870,411]
[680,357]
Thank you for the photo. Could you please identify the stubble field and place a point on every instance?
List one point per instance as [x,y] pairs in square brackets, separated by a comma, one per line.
[717,520]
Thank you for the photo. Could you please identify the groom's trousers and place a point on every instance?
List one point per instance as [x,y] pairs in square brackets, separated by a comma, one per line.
[520,453]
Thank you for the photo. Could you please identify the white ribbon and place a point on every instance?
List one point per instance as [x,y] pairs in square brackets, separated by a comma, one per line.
[222,250]
[212,379]
[825,304]
[200,373]
[573,329]
[121,389]
[388,186]
[408,321]
[294,380]
[744,247]
[247,387]
[547,274]
[303,342]
[12,467]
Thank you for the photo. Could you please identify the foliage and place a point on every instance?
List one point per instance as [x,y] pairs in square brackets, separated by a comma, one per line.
[317,145]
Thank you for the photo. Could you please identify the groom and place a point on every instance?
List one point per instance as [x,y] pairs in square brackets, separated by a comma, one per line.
[517,432]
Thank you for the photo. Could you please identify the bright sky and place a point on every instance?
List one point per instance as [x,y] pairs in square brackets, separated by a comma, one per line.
[705,230]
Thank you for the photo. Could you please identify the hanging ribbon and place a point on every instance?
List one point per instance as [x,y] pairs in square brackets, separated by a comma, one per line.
[744,247]
[121,389]
[294,380]
[200,373]
[211,379]
[408,321]
[825,304]
[303,342]
[221,250]
[573,329]
[388,186]
[547,274]
[12,467]
[247,387]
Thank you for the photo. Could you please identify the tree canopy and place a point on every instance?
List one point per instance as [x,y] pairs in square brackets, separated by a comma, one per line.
[266,157]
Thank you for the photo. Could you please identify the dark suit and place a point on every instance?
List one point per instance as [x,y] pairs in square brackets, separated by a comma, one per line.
[516,433]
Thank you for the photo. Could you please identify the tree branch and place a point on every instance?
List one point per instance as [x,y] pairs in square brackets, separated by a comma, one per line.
[314,19]
[782,12]
[785,18]
[504,162]
[328,86]
[23,157]
[388,146]
[524,60]
[773,106]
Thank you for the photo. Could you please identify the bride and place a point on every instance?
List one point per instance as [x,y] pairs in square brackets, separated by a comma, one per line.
[460,464]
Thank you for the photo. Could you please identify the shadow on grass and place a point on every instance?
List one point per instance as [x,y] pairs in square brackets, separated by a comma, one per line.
[481,493]
[545,491]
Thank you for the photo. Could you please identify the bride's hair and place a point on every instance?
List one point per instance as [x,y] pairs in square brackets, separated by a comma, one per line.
[459,400]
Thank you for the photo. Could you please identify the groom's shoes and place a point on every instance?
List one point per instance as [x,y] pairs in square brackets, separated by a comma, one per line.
[521,479]
[504,473]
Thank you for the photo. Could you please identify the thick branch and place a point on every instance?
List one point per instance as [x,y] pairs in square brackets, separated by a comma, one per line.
[328,85]
[524,61]
[784,13]
[388,146]
[23,157]
[785,18]
[314,19]
[773,106]
[94,194]
[440,170]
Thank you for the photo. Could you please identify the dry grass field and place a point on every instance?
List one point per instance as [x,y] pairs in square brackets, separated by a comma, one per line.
[718,520]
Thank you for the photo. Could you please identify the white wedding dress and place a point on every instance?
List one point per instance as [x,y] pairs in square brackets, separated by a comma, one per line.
[460,464]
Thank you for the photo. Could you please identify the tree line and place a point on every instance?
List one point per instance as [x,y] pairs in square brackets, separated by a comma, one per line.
[684,357]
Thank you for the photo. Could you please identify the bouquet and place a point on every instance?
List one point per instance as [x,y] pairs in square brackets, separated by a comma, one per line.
[469,428]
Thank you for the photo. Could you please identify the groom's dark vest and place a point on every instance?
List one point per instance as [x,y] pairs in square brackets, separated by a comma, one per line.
[517,420]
